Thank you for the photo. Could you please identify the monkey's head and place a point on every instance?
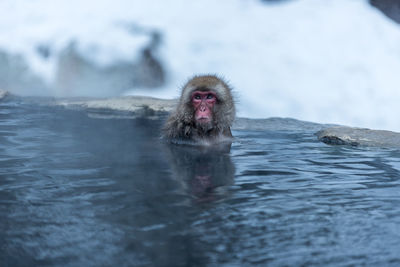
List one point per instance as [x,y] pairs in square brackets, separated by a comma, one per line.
[206,110]
[210,101]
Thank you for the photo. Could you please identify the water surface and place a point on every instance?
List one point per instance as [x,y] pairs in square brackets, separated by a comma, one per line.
[77,191]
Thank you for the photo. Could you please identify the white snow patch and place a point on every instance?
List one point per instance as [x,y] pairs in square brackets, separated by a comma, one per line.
[330,61]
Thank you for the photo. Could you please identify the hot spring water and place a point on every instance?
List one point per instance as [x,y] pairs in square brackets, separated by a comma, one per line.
[77,191]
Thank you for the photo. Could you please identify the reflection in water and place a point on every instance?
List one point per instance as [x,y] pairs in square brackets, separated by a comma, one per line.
[76,191]
[201,169]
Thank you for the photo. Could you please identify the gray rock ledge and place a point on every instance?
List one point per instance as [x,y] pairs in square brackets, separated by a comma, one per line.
[119,107]
[343,135]
[154,108]
[3,94]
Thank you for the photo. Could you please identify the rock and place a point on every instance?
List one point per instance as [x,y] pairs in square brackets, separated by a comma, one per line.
[78,76]
[391,8]
[75,74]
[343,135]
[17,77]
[276,124]
[3,94]
[119,107]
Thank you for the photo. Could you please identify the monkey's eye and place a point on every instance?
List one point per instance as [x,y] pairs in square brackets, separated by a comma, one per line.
[197,97]
[210,96]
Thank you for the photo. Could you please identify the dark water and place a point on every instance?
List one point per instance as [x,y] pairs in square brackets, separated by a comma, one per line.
[76,191]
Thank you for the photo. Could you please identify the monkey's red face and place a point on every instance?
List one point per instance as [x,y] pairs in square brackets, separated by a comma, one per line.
[203,104]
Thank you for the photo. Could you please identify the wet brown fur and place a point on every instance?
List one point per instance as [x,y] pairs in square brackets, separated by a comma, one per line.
[180,124]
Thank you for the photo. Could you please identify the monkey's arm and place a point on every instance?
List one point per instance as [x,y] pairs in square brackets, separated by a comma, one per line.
[177,129]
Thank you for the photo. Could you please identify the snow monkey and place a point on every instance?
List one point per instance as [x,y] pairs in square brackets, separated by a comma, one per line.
[204,114]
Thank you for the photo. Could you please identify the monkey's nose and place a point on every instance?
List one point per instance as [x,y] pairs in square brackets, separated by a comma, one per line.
[203,108]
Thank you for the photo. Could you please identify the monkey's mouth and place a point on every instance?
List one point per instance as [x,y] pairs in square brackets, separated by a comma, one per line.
[203,119]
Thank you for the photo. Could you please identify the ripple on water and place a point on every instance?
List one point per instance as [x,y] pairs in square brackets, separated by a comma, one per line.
[76,191]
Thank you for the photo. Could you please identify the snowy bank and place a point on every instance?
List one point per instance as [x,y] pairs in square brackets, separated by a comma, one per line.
[324,61]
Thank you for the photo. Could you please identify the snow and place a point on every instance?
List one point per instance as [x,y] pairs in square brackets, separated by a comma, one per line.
[328,61]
